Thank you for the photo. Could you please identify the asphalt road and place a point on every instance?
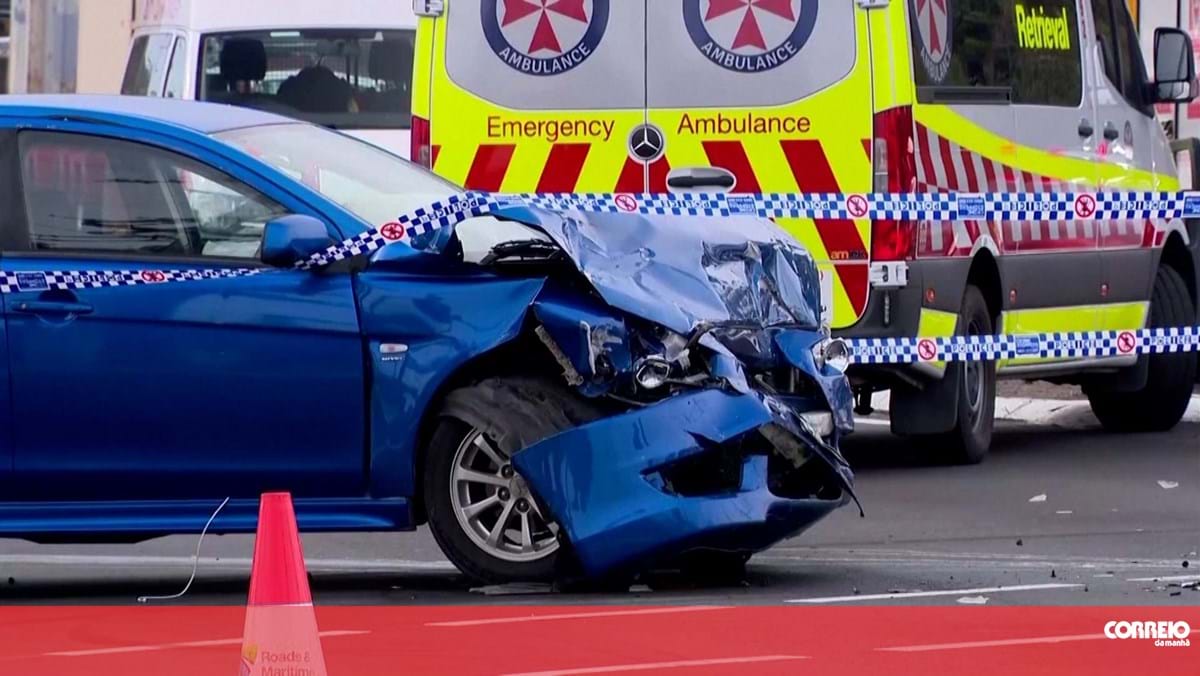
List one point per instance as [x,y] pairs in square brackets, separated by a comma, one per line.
[1119,524]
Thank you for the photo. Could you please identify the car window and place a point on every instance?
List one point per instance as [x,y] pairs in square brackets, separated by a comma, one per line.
[374,185]
[355,78]
[148,57]
[1031,48]
[177,73]
[100,195]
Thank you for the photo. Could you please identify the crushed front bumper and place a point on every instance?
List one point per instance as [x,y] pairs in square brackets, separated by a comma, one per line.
[693,471]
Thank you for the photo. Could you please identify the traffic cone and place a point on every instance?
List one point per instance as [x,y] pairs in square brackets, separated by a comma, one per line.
[280,637]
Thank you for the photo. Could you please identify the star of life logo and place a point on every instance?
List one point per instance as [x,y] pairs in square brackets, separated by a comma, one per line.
[544,37]
[1164,634]
[750,36]
[932,18]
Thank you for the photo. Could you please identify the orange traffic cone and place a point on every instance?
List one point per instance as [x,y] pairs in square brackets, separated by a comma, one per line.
[281,636]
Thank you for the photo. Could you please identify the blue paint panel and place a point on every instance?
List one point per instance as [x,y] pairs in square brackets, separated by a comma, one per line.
[217,387]
[796,347]
[592,479]
[443,322]
[95,519]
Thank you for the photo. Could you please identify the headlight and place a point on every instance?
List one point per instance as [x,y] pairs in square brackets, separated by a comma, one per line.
[832,352]
[652,372]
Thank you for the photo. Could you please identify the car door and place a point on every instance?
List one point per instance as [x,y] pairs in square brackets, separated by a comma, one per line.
[1127,162]
[226,386]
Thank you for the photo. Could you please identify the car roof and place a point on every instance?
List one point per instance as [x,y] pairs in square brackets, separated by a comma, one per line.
[205,118]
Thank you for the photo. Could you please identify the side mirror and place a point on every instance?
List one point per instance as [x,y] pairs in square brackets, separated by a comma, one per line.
[292,238]
[1174,66]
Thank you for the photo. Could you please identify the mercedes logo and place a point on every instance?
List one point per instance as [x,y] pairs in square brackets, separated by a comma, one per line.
[646,143]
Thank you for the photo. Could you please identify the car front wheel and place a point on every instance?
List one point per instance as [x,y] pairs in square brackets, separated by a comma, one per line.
[481,510]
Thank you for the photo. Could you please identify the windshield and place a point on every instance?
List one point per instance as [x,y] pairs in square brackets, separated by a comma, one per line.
[372,184]
[355,79]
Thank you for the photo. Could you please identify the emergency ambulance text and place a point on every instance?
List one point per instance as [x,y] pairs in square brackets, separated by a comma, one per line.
[550,130]
[1036,30]
[742,124]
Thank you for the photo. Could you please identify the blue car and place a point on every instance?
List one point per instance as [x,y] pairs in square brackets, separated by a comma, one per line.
[554,393]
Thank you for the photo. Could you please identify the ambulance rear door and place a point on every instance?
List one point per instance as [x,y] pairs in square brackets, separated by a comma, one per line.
[770,96]
[532,96]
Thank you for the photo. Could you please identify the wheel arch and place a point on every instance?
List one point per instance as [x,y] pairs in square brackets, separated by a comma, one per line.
[985,275]
[1178,256]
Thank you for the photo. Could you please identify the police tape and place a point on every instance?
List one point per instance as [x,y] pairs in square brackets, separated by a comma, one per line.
[1063,345]
[1035,206]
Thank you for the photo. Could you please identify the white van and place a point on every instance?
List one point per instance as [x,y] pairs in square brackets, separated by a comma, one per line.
[344,65]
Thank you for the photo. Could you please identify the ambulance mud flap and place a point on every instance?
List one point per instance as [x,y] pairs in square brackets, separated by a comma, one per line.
[696,470]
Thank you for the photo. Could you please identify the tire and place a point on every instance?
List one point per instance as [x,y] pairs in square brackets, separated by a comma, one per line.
[968,442]
[477,425]
[1159,405]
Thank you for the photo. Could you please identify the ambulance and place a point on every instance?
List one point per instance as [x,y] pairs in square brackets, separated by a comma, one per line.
[786,96]
[347,66]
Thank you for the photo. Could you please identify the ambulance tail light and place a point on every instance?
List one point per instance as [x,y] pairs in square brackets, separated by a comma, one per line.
[894,171]
[421,146]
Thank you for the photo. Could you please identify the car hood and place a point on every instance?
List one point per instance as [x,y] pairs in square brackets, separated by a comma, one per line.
[683,272]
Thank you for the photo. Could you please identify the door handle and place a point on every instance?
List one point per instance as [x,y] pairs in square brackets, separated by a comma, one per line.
[691,178]
[50,307]
[1110,132]
[1086,129]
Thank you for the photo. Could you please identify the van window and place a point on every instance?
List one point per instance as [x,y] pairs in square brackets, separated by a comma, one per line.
[738,54]
[549,56]
[347,78]
[1117,35]
[148,57]
[1029,48]
[177,73]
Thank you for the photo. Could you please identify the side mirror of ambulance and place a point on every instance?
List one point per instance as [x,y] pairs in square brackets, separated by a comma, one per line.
[1174,67]
[293,238]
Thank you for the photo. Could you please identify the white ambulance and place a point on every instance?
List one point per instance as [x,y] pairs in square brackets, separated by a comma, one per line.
[343,65]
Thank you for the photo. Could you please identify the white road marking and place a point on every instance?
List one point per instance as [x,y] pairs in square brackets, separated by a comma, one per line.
[990,644]
[646,666]
[511,619]
[940,592]
[1165,578]
[872,422]
[213,562]
[181,644]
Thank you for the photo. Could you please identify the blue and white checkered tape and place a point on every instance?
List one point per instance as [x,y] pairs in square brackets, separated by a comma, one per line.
[1063,345]
[1036,206]
[930,206]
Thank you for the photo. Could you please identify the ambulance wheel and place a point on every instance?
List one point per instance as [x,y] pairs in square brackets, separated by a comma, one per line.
[1159,405]
[968,442]
[481,511]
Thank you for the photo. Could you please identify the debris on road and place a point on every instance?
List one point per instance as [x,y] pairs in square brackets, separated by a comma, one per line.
[1019,542]
[1168,485]
[514,588]
[973,600]
[1038,498]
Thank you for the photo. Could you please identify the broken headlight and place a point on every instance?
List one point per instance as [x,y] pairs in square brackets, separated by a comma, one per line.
[832,352]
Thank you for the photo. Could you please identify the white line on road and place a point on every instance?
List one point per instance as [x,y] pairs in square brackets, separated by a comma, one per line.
[646,666]
[942,592]
[183,644]
[212,562]
[571,616]
[873,422]
[991,644]
[1165,578]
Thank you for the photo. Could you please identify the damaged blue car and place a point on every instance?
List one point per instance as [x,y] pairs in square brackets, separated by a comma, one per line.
[556,393]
